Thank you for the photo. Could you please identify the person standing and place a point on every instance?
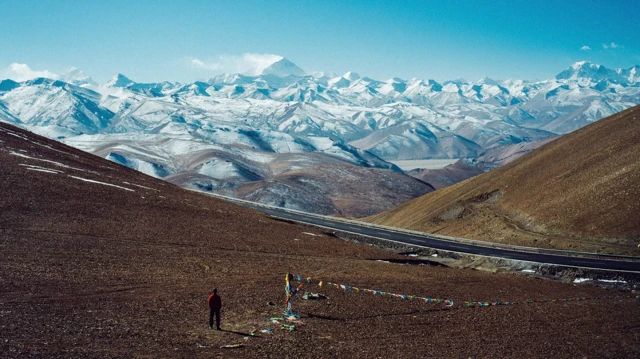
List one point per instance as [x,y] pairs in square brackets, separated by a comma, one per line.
[215,304]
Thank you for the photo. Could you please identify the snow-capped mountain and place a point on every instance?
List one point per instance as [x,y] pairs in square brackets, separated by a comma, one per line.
[77,77]
[239,128]
[275,66]
[586,72]
[119,80]
[282,68]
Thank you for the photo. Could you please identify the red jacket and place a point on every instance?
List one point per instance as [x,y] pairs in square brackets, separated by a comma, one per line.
[215,302]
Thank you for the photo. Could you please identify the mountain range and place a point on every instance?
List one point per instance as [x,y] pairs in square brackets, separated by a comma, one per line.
[252,130]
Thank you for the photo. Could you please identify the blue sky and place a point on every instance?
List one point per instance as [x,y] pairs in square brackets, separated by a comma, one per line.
[188,40]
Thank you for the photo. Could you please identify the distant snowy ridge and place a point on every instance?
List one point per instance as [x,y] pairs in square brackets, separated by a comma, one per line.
[238,128]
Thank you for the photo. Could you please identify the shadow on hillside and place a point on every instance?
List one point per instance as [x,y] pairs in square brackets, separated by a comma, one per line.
[323,317]
[410,261]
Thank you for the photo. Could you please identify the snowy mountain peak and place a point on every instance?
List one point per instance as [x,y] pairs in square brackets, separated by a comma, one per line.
[487,81]
[77,77]
[451,87]
[283,68]
[632,75]
[339,82]
[119,80]
[459,81]
[585,71]
[261,63]
[351,76]
[582,64]
[276,66]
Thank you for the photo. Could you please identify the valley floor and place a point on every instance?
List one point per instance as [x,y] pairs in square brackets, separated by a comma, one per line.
[408,165]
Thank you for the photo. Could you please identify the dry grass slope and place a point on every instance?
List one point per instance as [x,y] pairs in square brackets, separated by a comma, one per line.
[580,191]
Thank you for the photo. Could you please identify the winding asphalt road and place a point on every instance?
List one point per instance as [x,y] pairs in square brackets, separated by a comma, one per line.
[435,243]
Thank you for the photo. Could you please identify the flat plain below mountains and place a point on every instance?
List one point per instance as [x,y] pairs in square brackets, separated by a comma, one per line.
[101,261]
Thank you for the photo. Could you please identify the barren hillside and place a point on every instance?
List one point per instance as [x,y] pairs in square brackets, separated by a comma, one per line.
[580,191]
[449,175]
[336,189]
[100,261]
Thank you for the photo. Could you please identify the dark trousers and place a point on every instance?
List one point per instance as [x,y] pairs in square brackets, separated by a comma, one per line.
[215,312]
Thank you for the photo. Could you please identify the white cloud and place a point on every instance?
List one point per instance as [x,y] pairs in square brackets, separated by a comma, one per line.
[22,72]
[612,45]
[585,48]
[250,64]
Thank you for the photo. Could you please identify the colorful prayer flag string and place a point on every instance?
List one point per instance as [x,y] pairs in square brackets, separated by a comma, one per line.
[352,289]
[449,302]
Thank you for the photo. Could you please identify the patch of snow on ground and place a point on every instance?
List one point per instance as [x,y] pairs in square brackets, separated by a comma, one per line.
[102,183]
[53,149]
[310,234]
[17,135]
[21,155]
[41,169]
[141,186]
[528,271]
[43,160]
[612,281]
[581,280]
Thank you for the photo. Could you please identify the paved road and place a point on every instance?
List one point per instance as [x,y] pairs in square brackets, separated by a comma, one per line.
[430,242]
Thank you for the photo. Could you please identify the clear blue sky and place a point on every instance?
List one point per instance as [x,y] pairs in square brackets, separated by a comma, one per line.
[160,40]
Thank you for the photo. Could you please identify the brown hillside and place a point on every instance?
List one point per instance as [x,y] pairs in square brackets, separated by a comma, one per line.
[447,176]
[120,266]
[343,189]
[580,191]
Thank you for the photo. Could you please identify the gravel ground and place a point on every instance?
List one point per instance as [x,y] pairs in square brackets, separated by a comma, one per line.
[90,270]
